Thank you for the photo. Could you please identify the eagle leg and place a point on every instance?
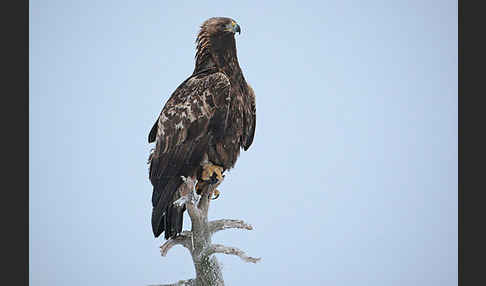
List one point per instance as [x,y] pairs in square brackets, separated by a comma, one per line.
[211,175]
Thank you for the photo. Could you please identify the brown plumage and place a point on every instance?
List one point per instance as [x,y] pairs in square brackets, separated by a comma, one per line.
[210,115]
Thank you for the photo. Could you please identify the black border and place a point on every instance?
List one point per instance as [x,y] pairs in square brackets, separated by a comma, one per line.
[471,233]
[15,135]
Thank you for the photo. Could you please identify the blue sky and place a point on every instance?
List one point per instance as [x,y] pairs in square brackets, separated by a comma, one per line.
[351,178]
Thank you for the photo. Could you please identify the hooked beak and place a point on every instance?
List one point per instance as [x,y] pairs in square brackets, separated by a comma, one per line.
[234,28]
[237,29]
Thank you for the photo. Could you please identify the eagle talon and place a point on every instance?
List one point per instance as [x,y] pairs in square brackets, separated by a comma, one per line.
[216,194]
[212,174]
[214,179]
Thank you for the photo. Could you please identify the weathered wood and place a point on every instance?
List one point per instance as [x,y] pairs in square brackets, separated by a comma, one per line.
[218,248]
[198,240]
[222,224]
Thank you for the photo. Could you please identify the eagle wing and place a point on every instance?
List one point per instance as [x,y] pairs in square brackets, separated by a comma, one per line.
[198,105]
[249,119]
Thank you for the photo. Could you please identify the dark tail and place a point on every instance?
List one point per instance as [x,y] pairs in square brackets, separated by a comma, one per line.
[165,175]
[165,215]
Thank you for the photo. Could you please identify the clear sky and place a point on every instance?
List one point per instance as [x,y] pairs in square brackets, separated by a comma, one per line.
[351,178]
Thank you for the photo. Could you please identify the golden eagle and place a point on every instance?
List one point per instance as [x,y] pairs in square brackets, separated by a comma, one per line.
[203,125]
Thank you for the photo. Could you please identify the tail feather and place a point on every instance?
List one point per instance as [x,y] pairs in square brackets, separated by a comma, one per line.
[178,216]
[166,217]
[158,222]
[168,222]
[173,221]
[165,174]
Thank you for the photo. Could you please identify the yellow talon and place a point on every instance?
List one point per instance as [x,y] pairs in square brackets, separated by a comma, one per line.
[216,194]
[219,173]
[209,170]
[211,175]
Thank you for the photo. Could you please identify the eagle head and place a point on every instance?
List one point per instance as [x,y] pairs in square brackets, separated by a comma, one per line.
[215,43]
[220,27]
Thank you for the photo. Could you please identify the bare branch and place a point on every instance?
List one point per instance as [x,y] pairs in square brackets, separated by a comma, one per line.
[222,224]
[184,239]
[198,240]
[218,248]
[203,204]
[190,282]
